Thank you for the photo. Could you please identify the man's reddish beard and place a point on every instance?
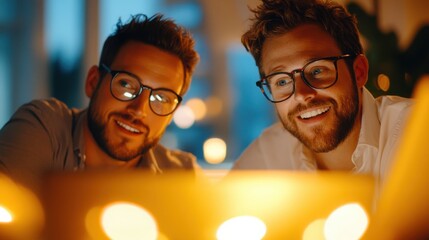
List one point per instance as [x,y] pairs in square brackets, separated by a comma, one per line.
[326,138]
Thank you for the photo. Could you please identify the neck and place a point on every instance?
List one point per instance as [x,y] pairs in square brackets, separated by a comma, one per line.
[97,158]
[340,159]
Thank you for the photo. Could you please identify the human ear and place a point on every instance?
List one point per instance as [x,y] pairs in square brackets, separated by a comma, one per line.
[361,67]
[92,79]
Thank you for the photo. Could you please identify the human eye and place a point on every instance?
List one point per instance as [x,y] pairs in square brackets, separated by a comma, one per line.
[125,87]
[280,81]
[319,70]
[126,82]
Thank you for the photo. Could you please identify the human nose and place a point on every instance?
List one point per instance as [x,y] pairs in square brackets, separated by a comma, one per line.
[303,92]
[139,106]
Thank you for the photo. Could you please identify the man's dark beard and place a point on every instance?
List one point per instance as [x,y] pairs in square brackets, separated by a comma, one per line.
[339,132]
[98,131]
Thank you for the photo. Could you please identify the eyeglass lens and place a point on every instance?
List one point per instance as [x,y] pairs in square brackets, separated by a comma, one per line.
[126,87]
[318,74]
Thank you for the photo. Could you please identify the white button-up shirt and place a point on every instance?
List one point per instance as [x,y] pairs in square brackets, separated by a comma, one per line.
[383,120]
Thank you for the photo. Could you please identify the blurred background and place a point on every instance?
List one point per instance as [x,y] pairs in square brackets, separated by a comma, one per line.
[47,46]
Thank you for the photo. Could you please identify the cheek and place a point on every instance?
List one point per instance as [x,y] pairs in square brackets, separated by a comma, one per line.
[158,125]
[282,109]
[104,103]
[343,90]
[286,105]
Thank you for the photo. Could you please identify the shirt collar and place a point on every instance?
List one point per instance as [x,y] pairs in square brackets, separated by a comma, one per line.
[148,160]
[370,125]
[79,118]
[369,133]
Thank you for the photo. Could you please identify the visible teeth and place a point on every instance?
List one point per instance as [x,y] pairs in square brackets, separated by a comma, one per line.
[131,129]
[314,113]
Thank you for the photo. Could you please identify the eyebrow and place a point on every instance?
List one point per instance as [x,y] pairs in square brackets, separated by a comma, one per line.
[126,72]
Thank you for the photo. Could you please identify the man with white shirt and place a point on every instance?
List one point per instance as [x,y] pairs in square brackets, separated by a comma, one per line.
[313,70]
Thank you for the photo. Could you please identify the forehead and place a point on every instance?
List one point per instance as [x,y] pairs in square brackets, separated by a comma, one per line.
[294,48]
[152,65]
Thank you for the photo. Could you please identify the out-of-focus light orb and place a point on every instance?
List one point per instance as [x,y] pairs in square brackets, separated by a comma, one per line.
[162,236]
[349,221]
[214,106]
[124,220]
[314,231]
[198,107]
[242,227]
[184,117]
[214,150]
[21,212]
[93,224]
[5,215]
[383,82]
[170,140]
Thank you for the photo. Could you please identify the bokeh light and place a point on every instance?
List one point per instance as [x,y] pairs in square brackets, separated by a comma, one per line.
[184,117]
[92,223]
[214,106]
[21,212]
[5,215]
[162,236]
[125,220]
[349,221]
[214,150]
[314,230]
[198,107]
[383,82]
[242,227]
[169,139]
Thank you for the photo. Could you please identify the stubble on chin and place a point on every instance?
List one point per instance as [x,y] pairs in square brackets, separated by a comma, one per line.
[124,152]
[318,139]
[124,149]
[119,149]
[324,138]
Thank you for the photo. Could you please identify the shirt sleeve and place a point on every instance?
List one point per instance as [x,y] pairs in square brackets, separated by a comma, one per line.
[251,158]
[172,158]
[28,140]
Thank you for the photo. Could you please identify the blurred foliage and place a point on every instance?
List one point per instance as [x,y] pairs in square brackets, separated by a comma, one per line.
[403,66]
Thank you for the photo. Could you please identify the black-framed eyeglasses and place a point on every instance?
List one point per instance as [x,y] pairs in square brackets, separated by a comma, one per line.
[319,73]
[125,86]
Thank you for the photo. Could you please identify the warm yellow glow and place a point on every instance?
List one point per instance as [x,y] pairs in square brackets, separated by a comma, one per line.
[20,209]
[214,150]
[314,230]
[242,227]
[402,210]
[190,208]
[161,236]
[349,221]
[198,107]
[184,117]
[92,223]
[214,106]
[5,215]
[383,82]
[124,220]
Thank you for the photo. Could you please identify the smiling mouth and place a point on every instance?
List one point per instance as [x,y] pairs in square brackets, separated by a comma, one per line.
[128,127]
[314,113]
